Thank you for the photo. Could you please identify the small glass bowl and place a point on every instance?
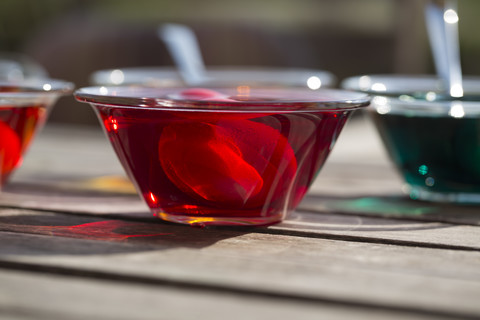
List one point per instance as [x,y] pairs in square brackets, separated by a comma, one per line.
[24,107]
[432,138]
[222,156]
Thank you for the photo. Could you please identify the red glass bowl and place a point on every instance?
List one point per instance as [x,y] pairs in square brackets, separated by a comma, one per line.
[24,107]
[222,156]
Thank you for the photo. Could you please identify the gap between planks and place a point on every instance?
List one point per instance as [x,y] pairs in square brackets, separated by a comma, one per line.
[278,229]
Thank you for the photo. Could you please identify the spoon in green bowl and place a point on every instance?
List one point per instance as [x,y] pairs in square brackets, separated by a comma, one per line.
[442,27]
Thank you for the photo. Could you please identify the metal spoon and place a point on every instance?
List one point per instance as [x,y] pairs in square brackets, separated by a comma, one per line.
[183,47]
[442,26]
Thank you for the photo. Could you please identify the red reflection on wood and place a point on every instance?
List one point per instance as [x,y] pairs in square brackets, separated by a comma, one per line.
[107,230]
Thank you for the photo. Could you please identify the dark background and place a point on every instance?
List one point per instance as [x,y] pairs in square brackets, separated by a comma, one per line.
[73,38]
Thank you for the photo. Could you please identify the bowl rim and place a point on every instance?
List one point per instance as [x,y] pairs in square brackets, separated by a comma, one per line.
[168,75]
[414,85]
[33,91]
[167,99]
[36,86]
[417,95]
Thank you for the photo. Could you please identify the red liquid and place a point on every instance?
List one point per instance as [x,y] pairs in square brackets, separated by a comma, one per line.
[237,168]
[17,128]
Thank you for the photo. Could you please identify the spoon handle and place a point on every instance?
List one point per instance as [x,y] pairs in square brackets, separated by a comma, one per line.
[184,49]
[442,26]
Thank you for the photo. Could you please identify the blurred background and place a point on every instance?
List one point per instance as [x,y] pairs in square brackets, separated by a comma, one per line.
[73,38]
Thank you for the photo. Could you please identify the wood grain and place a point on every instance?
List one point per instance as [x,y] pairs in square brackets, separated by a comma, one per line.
[34,296]
[326,220]
[399,277]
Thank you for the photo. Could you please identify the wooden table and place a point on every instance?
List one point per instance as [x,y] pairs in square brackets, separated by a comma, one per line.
[76,242]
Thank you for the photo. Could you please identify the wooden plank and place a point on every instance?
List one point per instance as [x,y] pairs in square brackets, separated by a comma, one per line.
[354,179]
[320,222]
[392,206]
[71,196]
[410,278]
[80,196]
[69,151]
[381,230]
[26,295]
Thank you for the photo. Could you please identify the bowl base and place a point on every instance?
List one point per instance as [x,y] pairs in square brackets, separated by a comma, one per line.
[419,193]
[203,221]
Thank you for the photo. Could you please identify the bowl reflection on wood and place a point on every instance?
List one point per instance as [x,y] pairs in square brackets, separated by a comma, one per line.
[433,140]
[221,156]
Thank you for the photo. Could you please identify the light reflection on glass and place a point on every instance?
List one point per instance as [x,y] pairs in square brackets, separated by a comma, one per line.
[423,169]
[103,90]
[117,76]
[111,124]
[405,97]
[431,96]
[382,105]
[456,110]
[364,82]
[429,182]
[314,82]
[384,109]
[450,16]
[456,91]
[153,198]
[381,101]
[47,87]
[413,194]
[379,87]
[243,90]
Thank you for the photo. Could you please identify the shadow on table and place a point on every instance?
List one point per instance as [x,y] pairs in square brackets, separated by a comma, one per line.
[393,206]
[83,235]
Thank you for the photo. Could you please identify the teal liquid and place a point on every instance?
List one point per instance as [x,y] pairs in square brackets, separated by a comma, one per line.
[434,154]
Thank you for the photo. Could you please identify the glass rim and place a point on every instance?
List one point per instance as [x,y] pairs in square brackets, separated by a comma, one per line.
[164,99]
[35,87]
[410,107]
[33,91]
[416,86]
[156,75]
